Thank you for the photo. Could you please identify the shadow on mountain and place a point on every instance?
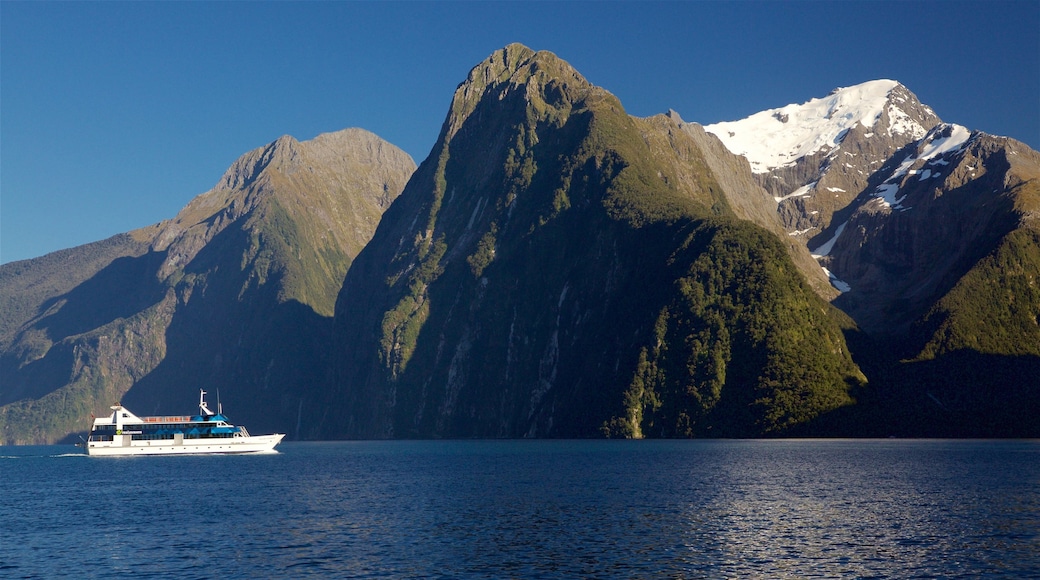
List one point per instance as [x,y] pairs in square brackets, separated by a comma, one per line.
[37,378]
[122,289]
[235,338]
[961,394]
[267,374]
[920,255]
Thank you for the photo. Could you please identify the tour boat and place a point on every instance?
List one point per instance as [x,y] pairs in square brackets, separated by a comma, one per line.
[124,433]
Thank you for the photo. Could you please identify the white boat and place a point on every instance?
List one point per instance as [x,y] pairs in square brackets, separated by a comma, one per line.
[124,433]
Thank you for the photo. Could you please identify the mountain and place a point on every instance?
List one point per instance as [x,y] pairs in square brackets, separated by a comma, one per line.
[849,266]
[235,294]
[929,231]
[558,268]
[816,157]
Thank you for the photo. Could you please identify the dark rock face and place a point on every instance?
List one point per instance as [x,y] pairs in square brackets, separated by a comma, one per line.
[544,272]
[909,239]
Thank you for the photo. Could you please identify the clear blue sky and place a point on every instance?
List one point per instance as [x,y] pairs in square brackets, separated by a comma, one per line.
[114,115]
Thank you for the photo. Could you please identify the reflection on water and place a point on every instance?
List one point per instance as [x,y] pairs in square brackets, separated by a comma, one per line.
[685,509]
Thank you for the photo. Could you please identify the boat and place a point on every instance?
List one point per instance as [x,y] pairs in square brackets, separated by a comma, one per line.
[124,433]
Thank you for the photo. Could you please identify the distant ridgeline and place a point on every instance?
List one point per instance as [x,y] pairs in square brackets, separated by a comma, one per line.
[850,266]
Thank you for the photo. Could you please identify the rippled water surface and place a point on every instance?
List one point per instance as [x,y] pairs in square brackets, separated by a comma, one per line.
[606,509]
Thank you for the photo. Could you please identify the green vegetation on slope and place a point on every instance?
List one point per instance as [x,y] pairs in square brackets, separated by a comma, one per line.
[995,307]
[510,289]
[744,347]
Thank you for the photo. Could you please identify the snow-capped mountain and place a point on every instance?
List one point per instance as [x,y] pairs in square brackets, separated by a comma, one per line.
[816,157]
[930,234]
[781,137]
[894,204]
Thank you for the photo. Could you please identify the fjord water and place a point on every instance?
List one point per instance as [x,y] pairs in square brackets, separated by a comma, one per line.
[497,509]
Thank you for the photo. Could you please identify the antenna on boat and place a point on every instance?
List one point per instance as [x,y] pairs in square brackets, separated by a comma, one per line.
[203,409]
[220,409]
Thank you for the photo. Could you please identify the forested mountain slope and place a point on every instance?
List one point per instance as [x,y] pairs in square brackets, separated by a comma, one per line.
[557,267]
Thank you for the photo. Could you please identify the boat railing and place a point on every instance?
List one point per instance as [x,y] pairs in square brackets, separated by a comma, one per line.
[168,419]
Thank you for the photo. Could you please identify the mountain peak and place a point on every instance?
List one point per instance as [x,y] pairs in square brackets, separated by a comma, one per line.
[249,166]
[780,137]
[517,64]
[875,87]
[542,74]
[501,63]
[298,173]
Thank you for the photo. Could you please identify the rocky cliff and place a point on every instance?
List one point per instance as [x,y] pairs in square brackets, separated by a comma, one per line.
[557,267]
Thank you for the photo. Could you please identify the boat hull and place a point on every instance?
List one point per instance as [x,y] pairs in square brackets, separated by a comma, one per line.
[230,445]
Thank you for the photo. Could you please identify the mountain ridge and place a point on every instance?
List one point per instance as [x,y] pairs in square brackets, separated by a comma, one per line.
[559,268]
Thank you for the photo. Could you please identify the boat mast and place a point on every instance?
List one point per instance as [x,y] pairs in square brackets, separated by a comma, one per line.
[203,409]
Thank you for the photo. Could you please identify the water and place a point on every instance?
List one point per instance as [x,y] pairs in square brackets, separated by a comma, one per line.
[529,509]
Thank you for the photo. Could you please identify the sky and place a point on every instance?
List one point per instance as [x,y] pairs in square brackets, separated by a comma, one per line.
[114,115]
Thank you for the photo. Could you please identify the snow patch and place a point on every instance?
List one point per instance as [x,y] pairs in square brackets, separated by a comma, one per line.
[832,189]
[826,248]
[803,190]
[899,123]
[940,141]
[940,146]
[840,285]
[886,194]
[779,137]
